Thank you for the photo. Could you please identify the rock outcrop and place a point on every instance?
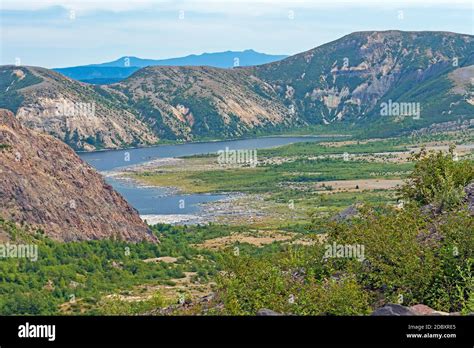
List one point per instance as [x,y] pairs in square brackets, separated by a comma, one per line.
[265,312]
[72,111]
[392,309]
[346,214]
[44,184]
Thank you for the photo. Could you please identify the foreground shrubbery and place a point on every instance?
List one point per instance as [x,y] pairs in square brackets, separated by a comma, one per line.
[438,180]
[410,255]
[292,282]
[78,275]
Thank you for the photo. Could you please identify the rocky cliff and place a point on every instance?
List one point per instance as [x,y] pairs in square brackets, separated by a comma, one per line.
[351,79]
[75,112]
[44,184]
[188,102]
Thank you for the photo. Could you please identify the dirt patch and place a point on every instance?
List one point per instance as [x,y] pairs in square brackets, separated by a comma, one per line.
[359,185]
[258,239]
[320,238]
[171,293]
[165,259]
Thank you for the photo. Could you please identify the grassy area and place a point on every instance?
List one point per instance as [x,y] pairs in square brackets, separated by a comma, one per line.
[76,277]
[271,178]
[291,183]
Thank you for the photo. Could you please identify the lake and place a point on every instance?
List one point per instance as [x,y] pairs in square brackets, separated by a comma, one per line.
[156,203]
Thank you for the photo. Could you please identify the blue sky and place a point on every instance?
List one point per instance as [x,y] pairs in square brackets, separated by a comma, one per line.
[60,33]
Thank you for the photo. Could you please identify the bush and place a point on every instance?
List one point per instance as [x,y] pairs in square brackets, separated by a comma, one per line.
[438,179]
[292,282]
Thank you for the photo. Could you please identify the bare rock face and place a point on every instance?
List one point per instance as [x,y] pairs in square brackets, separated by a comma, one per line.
[346,214]
[69,110]
[194,101]
[392,309]
[264,312]
[421,309]
[351,79]
[44,184]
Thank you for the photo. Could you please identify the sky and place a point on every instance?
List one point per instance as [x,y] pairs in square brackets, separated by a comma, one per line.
[62,33]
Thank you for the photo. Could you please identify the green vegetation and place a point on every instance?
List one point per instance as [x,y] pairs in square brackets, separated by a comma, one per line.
[288,282]
[80,274]
[409,257]
[314,149]
[268,179]
[312,177]
[438,180]
[11,83]
[300,164]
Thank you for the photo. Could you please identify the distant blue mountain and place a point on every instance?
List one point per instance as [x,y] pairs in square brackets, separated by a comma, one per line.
[97,75]
[125,66]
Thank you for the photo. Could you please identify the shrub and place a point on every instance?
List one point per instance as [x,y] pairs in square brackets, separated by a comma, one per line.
[438,179]
[292,282]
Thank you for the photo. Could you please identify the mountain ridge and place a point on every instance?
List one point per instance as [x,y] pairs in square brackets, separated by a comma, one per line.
[378,64]
[121,68]
[69,110]
[343,82]
[225,59]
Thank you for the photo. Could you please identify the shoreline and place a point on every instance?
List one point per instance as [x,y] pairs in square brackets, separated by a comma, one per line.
[217,141]
[206,211]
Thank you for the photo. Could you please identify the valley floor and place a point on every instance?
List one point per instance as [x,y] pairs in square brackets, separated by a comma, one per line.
[285,201]
[292,183]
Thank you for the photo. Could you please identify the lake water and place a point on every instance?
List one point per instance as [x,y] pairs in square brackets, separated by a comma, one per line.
[113,159]
[157,201]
